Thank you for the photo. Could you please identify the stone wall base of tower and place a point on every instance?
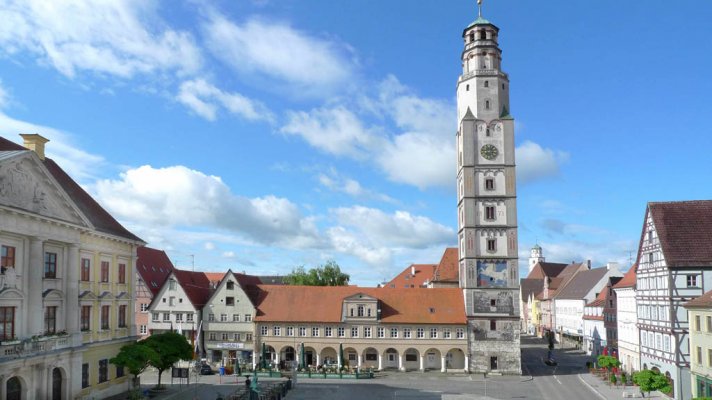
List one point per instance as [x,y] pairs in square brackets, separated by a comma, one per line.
[507,352]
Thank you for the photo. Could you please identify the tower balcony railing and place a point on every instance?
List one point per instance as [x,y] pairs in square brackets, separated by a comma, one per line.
[484,72]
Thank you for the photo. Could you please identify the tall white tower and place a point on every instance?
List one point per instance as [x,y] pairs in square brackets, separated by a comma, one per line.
[536,255]
[487,207]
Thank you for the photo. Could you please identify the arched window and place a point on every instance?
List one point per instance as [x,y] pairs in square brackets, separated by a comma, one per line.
[486,83]
[56,384]
[13,389]
[472,37]
[483,34]
[487,104]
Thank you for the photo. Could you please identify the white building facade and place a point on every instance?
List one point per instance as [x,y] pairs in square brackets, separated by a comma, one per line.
[628,334]
[674,266]
[487,208]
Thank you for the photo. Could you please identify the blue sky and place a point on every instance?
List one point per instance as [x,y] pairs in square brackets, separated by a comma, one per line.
[259,135]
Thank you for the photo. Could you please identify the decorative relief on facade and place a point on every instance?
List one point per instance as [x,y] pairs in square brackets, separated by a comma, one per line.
[22,187]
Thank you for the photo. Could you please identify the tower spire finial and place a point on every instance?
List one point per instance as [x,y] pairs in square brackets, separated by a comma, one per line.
[479,8]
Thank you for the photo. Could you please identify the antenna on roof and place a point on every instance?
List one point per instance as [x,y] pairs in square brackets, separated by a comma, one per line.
[192,261]
[479,8]
[630,257]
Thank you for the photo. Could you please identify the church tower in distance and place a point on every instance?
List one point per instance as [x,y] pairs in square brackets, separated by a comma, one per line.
[487,204]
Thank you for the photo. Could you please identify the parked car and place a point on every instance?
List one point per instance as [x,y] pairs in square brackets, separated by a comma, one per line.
[205,369]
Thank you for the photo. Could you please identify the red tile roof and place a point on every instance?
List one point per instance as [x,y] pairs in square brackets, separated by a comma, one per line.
[324,304]
[196,286]
[704,301]
[448,270]
[684,229]
[215,277]
[628,279]
[154,266]
[406,279]
[98,216]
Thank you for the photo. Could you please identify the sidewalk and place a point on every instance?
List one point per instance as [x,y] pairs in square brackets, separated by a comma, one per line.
[605,391]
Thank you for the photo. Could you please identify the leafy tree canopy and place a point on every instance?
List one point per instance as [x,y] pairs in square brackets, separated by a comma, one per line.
[608,362]
[649,380]
[328,274]
[135,357]
[169,347]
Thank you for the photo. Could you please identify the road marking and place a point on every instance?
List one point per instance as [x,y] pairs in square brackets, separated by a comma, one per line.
[590,387]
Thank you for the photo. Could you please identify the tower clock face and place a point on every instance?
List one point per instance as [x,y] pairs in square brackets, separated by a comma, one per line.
[489,152]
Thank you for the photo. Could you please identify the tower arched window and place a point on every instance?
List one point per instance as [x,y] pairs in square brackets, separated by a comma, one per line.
[472,37]
[486,83]
[487,104]
[467,88]
[483,34]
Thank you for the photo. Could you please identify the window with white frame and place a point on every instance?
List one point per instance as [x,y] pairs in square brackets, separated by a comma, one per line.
[213,336]
[155,317]
[276,331]
[144,307]
[236,337]
[264,330]
[354,331]
[367,331]
[394,332]
[189,317]
[381,332]
[691,280]
[248,337]
[315,331]
[460,333]
[433,333]
[341,331]
[143,330]
[406,333]
[666,343]
[447,334]
[223,317]
[179,317]
[420,333]
[327,331]
[302,331]
[290,331]
[235,317]
[248,317]
[224,336]
[166,317]
[211,317]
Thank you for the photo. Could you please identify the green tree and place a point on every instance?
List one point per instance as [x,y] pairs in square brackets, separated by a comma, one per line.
[328,274]
[649,380]
[168,348]
[135,358]
[608,362]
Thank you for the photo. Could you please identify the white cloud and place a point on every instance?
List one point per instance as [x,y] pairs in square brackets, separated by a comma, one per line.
[336,182]
[209,246]
[535,162]
[399,229]
[205,99]
[107,37]
[76,162]
[178,196]
[278,51]
[347,242]
[336,130]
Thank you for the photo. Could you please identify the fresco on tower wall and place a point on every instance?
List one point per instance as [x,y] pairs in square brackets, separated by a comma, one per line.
[492,273]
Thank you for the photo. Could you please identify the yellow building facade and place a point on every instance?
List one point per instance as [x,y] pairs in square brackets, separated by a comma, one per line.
[65,283]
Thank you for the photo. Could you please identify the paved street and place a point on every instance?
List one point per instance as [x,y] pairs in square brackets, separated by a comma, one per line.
[539,381]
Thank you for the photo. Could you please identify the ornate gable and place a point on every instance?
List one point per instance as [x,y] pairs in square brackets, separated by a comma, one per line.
[25,184]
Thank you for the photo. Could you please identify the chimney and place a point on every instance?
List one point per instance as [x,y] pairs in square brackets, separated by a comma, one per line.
[412,270]
[588,264]
[35,142]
